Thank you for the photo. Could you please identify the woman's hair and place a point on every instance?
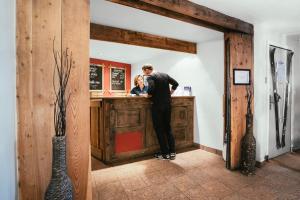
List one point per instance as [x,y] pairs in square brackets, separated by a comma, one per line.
[136,79]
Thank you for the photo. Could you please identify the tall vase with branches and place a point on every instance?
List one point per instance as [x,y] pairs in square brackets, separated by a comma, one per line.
[248,156]
[60,186]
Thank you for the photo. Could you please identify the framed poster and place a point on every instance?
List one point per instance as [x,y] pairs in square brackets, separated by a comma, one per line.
[96,77]
[241,76]
[117,79]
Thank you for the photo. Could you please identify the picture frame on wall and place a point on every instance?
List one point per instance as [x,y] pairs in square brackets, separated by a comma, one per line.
[118,79]
[241,76]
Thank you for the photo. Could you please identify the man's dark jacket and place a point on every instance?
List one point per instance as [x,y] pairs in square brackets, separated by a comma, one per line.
[158,87]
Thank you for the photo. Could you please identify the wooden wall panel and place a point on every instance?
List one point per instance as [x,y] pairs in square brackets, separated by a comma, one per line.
[38,22]
[76,35]
[241,56]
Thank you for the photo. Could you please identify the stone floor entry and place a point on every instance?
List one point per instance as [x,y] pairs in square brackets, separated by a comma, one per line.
[197,175]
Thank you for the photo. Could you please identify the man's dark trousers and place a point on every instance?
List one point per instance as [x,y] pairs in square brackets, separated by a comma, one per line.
[161,117]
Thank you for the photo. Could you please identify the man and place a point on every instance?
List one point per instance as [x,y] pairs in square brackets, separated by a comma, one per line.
[159,91]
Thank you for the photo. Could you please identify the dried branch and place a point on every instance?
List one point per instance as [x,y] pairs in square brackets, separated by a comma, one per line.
[62,71]
[249,99]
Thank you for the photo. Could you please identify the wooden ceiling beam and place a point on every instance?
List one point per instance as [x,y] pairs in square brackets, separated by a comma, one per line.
[112,34]
[190,12]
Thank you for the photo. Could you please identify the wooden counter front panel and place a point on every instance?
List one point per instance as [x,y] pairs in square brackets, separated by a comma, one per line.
[96,128]
[122,128]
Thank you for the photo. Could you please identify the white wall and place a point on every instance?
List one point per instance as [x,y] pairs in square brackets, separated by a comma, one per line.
[7,101]
[294,43]
[262,38]
[205,73]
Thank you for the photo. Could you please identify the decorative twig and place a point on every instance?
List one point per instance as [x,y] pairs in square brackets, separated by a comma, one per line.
[62,70]
[249,99]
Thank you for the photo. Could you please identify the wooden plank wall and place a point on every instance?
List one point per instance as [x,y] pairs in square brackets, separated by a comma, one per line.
[76,37]
[241,56]
[38,22]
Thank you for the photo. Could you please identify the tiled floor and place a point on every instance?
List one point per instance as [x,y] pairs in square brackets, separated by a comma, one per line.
[197,175]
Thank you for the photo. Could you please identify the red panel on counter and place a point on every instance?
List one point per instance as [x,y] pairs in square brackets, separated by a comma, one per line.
[129,141]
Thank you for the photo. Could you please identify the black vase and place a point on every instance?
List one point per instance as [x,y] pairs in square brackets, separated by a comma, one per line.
[248,156]
[60,186]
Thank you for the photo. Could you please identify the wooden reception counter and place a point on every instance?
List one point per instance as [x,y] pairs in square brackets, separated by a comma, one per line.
[121,127]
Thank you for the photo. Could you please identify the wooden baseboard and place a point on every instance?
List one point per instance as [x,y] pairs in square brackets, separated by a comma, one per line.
[208,149]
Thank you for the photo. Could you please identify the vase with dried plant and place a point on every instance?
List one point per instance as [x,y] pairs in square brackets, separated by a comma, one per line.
[60,186]
[248,147]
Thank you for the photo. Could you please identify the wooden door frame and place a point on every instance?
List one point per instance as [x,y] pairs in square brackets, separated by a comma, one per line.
[234,30]
[37,23]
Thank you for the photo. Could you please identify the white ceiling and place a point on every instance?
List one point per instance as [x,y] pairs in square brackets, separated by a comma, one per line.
[122,52]
[279,15]
[112,14]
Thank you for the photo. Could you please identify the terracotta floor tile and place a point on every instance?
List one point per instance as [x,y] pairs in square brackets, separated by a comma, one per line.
[156,165]
[104,176]
[198,193]
[196,175]
[146,193]
[184,183]
[293,174]
[280,182]
[154,178]
[216,189]
[199,176]
[235,196]
[194,162]
[166,190]
[180,196]
[289,160]
[290,194]
[259,191]
[133,183]
[172,172]
[111,191]
[184,164]
[237,181]
[217,172]
[271,168]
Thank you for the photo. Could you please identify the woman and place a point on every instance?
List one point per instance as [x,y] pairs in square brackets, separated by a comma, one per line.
[140,89]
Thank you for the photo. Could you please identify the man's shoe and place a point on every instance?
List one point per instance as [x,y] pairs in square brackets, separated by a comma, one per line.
[172,156]
[156,155]
[160,156]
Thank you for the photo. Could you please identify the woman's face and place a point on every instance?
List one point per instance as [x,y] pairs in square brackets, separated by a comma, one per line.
[140,81]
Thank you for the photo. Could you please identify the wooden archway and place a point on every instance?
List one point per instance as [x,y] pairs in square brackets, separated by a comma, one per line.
[38,22]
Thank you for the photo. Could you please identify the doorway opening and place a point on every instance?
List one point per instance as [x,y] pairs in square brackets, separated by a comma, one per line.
[203,71]
[280,100]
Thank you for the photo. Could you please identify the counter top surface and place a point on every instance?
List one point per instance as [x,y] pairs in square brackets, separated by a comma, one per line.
[136,97]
